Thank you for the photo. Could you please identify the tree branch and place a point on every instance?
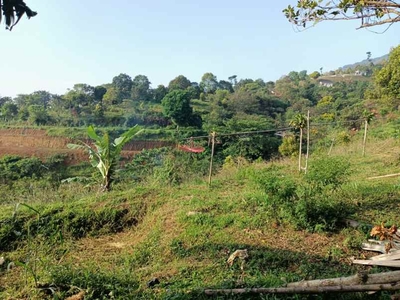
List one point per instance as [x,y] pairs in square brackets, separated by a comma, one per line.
[308,290]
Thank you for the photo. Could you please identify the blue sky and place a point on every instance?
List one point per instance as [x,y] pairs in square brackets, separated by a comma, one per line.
[91,41]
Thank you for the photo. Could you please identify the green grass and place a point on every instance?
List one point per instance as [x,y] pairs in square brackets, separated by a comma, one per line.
[71,238]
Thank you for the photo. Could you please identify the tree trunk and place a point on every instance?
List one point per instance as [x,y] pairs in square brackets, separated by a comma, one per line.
[300,143]
[309,290]
[367,279]
[106,183]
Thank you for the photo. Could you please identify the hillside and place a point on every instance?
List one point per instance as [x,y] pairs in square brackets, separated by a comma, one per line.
[73,241]
[365,62]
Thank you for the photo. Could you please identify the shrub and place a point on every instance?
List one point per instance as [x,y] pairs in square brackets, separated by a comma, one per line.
[289,146]
[15,167]
[325,171]
[319,210]
[343,137]
[275,184]
[179,166]
[144,163]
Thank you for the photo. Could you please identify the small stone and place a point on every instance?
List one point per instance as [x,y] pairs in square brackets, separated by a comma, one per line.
[2,260]
[192,213]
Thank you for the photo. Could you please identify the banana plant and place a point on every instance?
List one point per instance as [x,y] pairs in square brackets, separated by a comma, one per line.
[104,154]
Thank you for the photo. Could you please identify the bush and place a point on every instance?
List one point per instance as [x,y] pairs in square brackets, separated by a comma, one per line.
[289,146]
[275,184]
[343,137]
[313,204]
[319,211]
[325,171]
[14,167]
[179,166]
[144,163]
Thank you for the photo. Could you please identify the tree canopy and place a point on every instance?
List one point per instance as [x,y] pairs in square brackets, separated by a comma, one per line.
[12,9]
[369,12]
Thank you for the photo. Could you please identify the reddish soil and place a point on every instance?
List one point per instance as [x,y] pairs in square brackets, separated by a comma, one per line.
[35,142]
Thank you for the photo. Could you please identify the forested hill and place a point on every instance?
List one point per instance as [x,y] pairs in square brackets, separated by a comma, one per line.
[222,105]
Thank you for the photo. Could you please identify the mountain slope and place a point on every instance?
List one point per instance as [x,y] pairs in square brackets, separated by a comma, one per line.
[375,61]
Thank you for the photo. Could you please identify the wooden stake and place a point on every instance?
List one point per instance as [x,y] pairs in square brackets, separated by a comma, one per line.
[212,156]
[308,141]
[301,141]
[331,147]
[365,136]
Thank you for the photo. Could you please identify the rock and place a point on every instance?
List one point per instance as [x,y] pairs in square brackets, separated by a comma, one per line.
[193,213]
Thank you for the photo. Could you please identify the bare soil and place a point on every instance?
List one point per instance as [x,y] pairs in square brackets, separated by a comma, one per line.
[36,142]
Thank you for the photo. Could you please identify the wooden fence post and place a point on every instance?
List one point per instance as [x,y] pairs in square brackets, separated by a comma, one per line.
[212,156]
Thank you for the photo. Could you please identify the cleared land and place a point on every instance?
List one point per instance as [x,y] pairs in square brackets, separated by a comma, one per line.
[36,142]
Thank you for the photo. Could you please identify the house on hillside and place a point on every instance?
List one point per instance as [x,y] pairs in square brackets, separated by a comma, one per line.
[325,82]
[360,73]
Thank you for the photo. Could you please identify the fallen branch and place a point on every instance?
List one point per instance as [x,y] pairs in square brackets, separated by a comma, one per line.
[384,176]
[387,263]
[361,278]
[393,255]
[308,290]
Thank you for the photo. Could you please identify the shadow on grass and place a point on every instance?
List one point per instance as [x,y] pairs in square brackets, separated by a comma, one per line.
[265,267]
[204,267]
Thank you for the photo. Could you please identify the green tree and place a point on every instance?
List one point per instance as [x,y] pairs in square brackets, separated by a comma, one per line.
[141,88]
[99,92]
[369,12]
[299,121]
[159,93]
[315,75]
[176,105]
[111,96]
[12,9]
[123,87]
[179,83]
[42,98]
[225,85]
[250,146]
[209,83]
[9,111]
[106,153]
[38,115]
[387,80]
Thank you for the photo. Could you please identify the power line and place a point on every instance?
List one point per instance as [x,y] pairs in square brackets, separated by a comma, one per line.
[271,130]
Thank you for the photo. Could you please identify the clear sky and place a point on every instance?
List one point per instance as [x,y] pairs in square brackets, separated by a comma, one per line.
[91,41]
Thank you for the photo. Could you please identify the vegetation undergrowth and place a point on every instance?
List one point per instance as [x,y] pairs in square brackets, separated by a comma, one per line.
[69,239]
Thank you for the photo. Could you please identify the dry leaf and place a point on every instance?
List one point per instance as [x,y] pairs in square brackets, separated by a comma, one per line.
[241,254]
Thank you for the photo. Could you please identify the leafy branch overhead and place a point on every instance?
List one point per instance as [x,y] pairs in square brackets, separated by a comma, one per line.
[369,12]
[13,11]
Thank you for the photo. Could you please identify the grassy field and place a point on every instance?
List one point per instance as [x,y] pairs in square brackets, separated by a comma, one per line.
[72,240]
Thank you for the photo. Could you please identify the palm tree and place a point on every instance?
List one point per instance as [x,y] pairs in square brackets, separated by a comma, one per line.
[106,153]
[299,121]
[14,8]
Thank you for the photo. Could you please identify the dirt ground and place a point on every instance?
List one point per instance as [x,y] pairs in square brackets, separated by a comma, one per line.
[35,142]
